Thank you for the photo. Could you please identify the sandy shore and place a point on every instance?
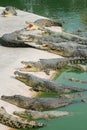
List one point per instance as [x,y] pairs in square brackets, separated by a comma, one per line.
[10,59]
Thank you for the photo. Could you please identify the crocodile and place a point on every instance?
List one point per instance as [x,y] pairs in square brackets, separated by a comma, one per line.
[16,122]
[38,104]
[9,10]
[64,48]
[84,100]
[52,37]
[31,114]
[63,44]
[42,23]
[45,85]
[50,64]
[77,80]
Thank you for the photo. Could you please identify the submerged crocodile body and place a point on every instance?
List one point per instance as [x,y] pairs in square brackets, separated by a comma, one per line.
[77,80]
[50,64]
[44,85]
[38,104]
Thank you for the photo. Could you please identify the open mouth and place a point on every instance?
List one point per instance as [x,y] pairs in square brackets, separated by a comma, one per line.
[28,68]
[22,77]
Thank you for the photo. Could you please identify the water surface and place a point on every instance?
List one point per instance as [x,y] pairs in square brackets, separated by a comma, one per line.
[73,13]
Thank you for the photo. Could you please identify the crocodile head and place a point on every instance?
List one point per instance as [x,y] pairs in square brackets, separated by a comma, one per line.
[32,26]
[9,11]
[30,66]
[10,99]
[23,77]
[20,75]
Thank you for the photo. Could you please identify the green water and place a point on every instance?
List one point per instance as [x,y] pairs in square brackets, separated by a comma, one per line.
[73,14]
[77,120]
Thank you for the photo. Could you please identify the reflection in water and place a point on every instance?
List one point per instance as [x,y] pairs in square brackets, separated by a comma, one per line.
[51,5]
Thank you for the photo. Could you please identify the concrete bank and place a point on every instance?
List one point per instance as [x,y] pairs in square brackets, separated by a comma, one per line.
[10,59]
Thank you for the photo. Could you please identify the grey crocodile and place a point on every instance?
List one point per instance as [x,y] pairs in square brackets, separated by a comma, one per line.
[64,44]
[44,85]
[9,10]
[38,104]
[31,114]
[51,37]
[42,23]
[50,64]
[16,122]
[66,49]
[10,40]
[56,44]
[54,37]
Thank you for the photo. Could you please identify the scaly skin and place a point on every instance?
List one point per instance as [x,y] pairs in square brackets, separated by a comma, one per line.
[44,85]
[16,122]
[53,37]
[51,64]
[30,114]
[61,43]
[42,23]
[80,67]
[38,104]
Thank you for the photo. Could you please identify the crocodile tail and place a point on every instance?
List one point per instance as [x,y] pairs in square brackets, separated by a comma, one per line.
[78,60]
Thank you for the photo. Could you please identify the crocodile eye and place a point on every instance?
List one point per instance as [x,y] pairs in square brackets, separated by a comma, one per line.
[7,9]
